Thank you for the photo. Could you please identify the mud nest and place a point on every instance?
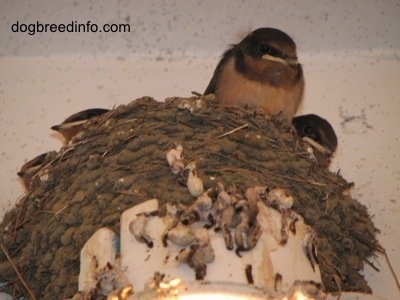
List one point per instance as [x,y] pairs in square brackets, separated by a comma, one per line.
[118,160]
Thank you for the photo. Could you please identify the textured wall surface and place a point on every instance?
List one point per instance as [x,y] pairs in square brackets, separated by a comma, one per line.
[350,51]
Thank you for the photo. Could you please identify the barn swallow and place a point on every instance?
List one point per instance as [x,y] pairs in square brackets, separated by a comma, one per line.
[74,123]
[261,72]
[319,134]
[31,168]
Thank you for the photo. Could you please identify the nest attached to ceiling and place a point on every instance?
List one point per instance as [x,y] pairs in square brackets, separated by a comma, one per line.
[118,160]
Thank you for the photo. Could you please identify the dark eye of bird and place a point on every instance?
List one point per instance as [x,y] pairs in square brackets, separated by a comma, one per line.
[265,49]
[308,130]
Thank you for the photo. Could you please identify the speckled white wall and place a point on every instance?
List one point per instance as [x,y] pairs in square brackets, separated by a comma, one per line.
[178,28]
[350,51]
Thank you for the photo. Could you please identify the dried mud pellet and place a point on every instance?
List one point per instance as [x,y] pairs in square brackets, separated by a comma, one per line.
[110,219]
[227,146]
[73,218]
[126,157]
[145,152]
[93,162]
[354,261]
[57,233]
[258,155]
[115,174]
[120,110]
[142,102]
[89,213]
[44,279]
[124,134]
[46,231]
[56,290]
[310,216]
[116,202]
[141,141]
[239,155]
[158,154]
[213,148]
[90,176]
[99,184]
[103,200]
[79,196]
[82,149]
[6,269]
[124,183]
[66,238]
[83,232]
[164,140]
[113,145]
[21,235]
[62,280]
[47,259]
[255,140]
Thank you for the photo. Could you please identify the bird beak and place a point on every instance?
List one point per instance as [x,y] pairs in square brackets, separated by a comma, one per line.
[318,146]
[67,125]
[291,62]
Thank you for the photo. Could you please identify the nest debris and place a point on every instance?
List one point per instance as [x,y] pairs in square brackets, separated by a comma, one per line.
[118,160]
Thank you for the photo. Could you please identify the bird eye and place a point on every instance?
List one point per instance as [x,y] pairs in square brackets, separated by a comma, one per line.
[265,49]
[308,130]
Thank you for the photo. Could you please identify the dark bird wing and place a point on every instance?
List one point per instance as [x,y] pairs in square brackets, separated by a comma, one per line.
[212,86]
[80,118]
[86,114]
[33,163]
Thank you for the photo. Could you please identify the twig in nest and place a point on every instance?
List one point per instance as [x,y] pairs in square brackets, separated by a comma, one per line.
[59,157]
[128,121]
[320,173]
[57,213]
[16,221]
[63,152]
[46,166]
[66,149]
[17,272]
[396,280]
[18,224]
[274,142]
[105,187]
[116,146]
[225,134]
[196,94]
[372,265]
[255,123]
[312,182]
[106,116]
[126,193]
[392,270]
[239,111]
[151,128]
[88,139]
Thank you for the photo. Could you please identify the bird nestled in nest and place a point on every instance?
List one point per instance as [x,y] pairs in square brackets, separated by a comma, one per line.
[74,123]
[317,132]
[261,72]
[31,168]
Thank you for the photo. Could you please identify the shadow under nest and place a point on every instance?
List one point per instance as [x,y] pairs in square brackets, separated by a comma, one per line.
[80,190]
